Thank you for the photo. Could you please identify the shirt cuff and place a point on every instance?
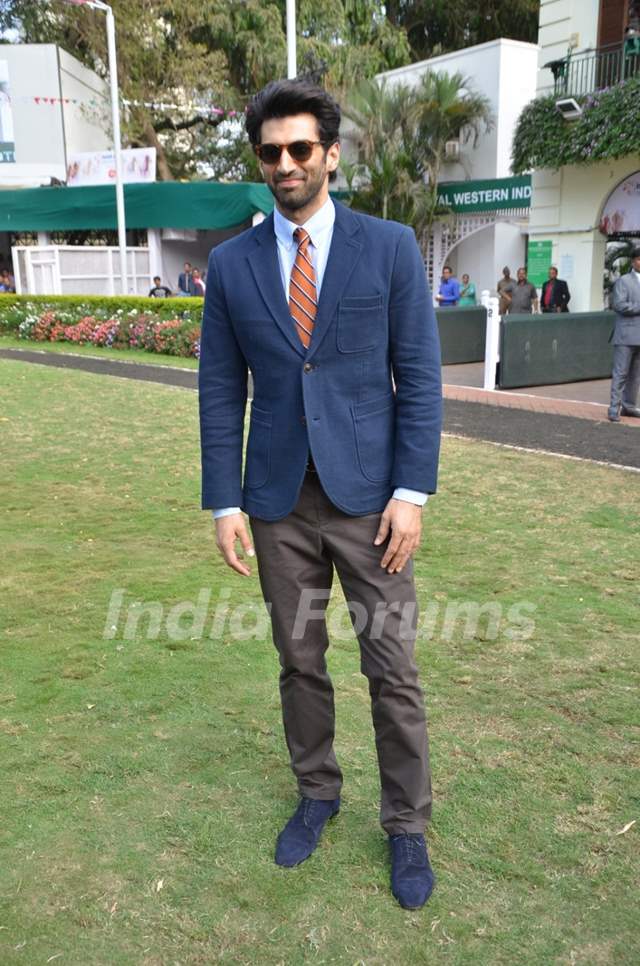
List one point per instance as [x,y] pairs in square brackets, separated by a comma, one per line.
[411,496]
[225,511]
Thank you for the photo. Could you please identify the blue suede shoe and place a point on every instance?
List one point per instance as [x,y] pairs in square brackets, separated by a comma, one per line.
[412,878]
[302,832]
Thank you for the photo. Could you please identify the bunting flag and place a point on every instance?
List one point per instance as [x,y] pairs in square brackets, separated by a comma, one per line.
[190,107]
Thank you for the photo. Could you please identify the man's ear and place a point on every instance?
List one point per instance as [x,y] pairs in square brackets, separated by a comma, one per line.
[333,156]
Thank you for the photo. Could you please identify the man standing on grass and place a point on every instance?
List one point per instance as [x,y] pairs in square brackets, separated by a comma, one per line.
[324,306]
[625,378]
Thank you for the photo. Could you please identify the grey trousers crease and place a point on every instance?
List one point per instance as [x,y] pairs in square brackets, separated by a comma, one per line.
[625,377]
[296,556]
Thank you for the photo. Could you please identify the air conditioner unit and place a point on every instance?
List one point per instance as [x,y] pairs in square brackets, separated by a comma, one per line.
[179,234]
[569,108]
[452,150]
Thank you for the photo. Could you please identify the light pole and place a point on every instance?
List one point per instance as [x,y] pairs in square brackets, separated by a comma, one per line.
[115,121]
[292,69]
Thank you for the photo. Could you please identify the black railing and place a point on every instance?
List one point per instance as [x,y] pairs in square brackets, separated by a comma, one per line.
[592,70]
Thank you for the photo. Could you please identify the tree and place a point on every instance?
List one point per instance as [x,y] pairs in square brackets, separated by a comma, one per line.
[185,66]
[438,26]
[401,138]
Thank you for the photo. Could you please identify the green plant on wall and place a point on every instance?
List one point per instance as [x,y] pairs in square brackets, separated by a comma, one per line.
[607,129]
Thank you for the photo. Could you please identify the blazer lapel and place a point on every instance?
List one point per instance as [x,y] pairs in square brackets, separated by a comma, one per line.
[266,271]
[343,256]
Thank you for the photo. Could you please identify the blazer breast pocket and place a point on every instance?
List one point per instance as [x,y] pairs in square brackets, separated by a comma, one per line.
[361,322]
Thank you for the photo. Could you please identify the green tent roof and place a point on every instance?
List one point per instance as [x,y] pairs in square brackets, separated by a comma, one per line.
[163,204]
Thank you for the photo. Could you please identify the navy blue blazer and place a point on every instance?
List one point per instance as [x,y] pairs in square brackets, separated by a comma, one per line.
[365,398]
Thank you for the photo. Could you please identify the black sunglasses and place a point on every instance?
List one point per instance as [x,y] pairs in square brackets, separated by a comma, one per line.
[298,150]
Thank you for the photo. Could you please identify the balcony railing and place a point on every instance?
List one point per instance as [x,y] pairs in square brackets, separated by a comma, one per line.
[592,70]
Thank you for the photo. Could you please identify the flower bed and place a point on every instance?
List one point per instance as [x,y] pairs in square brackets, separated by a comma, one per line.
[105,325]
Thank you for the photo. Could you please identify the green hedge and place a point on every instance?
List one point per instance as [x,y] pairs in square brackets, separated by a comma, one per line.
[103,303]
[607,129]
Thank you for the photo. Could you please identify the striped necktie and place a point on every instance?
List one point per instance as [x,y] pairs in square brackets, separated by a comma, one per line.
[303,298]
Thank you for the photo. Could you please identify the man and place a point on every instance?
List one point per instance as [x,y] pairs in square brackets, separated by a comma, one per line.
[625,378]
[325,306]
[159,291]
[524,298]
[185,286]
[555,295]
[449,290]
[197,285]
[505,288]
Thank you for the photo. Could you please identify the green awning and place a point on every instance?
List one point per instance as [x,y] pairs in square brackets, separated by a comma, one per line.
[163,204]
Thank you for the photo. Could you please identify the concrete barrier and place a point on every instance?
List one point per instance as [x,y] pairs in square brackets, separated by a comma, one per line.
[540,350]
[462,333]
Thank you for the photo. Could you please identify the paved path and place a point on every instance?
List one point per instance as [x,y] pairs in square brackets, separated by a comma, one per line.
[542,418]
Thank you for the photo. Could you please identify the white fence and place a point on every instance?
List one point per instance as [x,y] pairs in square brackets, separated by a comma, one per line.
[78,270]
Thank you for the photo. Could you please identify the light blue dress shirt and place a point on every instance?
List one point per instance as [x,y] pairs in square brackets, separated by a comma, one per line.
[320,231]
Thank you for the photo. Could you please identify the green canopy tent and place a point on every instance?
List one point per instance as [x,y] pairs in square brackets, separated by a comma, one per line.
[163,204]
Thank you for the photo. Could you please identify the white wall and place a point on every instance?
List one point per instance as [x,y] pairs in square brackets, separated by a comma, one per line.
[175,253]
[564,23]
[39,140]
[483,255]
[87,127]
[567,205]
[505,72]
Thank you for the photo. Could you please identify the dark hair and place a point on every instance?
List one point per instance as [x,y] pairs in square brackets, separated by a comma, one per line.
[157,278]
[635,252]
[447,268]
[286,98]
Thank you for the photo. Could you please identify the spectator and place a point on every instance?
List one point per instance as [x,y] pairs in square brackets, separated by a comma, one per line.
[197,285]
[555,293]
[184,281]
[625,378]
[7,281]
[525,296]
[159,291]
[467,292]
[449,291]
[505,288]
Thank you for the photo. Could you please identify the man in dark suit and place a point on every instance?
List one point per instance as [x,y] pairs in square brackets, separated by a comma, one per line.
[555,293]
[625,378]
[185,281]
[330,310]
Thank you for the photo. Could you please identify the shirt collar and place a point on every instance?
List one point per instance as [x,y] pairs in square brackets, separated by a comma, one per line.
[319,223]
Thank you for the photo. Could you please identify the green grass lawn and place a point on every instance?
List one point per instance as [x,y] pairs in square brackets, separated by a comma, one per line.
[101,352]
[145,780]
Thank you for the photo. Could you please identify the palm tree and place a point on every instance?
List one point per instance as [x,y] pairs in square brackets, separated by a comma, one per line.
[445,108]
[402,133]
[385,169]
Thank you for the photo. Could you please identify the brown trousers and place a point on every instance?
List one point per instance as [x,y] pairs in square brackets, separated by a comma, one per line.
[296,556]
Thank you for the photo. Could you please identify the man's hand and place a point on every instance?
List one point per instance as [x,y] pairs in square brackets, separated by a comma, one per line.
[404,519]
[229,529]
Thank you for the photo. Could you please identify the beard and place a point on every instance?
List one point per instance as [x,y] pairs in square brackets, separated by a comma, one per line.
[293,199]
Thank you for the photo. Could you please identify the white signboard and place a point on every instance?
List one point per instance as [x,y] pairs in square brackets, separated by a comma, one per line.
[621,212]
[7,144]
[99,167]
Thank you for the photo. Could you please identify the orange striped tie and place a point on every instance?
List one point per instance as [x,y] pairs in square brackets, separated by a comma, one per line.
[303,299]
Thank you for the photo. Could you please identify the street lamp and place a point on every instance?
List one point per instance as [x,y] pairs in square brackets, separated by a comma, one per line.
[115,120]
[292,69]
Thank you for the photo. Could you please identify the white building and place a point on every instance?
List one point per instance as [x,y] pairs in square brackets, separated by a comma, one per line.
[586,45]
[55,107]
[481,240]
